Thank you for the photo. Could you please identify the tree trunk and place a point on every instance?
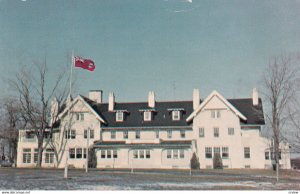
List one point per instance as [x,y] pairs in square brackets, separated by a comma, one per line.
[40,152]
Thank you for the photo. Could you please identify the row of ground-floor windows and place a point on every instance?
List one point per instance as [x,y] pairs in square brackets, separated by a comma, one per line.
[77,153]
[109,154]
[267,155]
[48,156]
[175,154]
[216,150]
[141,154]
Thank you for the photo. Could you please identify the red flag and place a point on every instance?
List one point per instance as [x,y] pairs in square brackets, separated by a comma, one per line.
[87,64]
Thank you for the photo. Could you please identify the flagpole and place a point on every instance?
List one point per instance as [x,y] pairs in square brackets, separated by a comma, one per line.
[71,71]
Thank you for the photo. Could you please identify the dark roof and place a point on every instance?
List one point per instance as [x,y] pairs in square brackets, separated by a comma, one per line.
[134,115]
[162,116]
[162,144]
[254,114]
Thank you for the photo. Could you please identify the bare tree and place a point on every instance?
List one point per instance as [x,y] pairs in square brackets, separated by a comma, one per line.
[34,90]
[11,121]
[279,90]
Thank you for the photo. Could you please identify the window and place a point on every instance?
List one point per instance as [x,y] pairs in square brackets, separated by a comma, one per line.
[157,134]
[279,157]
[216,132]
[91,133]
[135,154]
[79,116]
[70,134]
[182,133]
[79,153]
[26,155]
[84,153]
[142,154]
[217,151]
[115,154]
[225,152]
[176,115]
[73,134]
[169,133]
[169,153]
[215,114]
[218,114]
[125,134]
[29,135]
[208,152]
[147,153]
[108,153]
[181,153]
[246,152]
[102,153]
[201,132]
[113,134]
[72,153]
[35,155]
[47,135]
[267,156]
[137,134]
[175,154]
[119,116]
[147,116]
[230,131]
[49,156]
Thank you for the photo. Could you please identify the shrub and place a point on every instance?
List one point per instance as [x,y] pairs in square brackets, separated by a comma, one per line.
[217,161]
[195,162]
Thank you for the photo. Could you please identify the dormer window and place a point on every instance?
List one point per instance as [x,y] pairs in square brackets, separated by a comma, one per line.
[176,115]
[119,116]
[147,115]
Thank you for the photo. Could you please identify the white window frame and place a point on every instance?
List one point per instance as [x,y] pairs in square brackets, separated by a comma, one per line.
[119,116]
[175,115]
[157,134]
[230,131]
[113,134]
[26,155]
[201,132]
[49,156]
[125,134]
[182,134]
[247,153]
[147,116]
[216,132]
[225,150]
[169,134]
[137,134]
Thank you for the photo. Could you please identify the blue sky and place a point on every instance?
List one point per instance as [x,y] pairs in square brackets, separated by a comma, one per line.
[169,46]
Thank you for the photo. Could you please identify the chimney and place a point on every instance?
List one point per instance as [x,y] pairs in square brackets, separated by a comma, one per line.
[111,101]
[151,99]
[95,95]
[196,98]
[255,97]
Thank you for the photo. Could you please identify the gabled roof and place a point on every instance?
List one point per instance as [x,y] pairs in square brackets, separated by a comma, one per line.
[226,102]
[87,104]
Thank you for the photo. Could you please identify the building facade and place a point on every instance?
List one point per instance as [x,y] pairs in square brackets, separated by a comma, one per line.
[156,135]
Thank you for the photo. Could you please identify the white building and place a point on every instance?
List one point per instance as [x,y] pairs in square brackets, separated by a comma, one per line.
[156,135]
